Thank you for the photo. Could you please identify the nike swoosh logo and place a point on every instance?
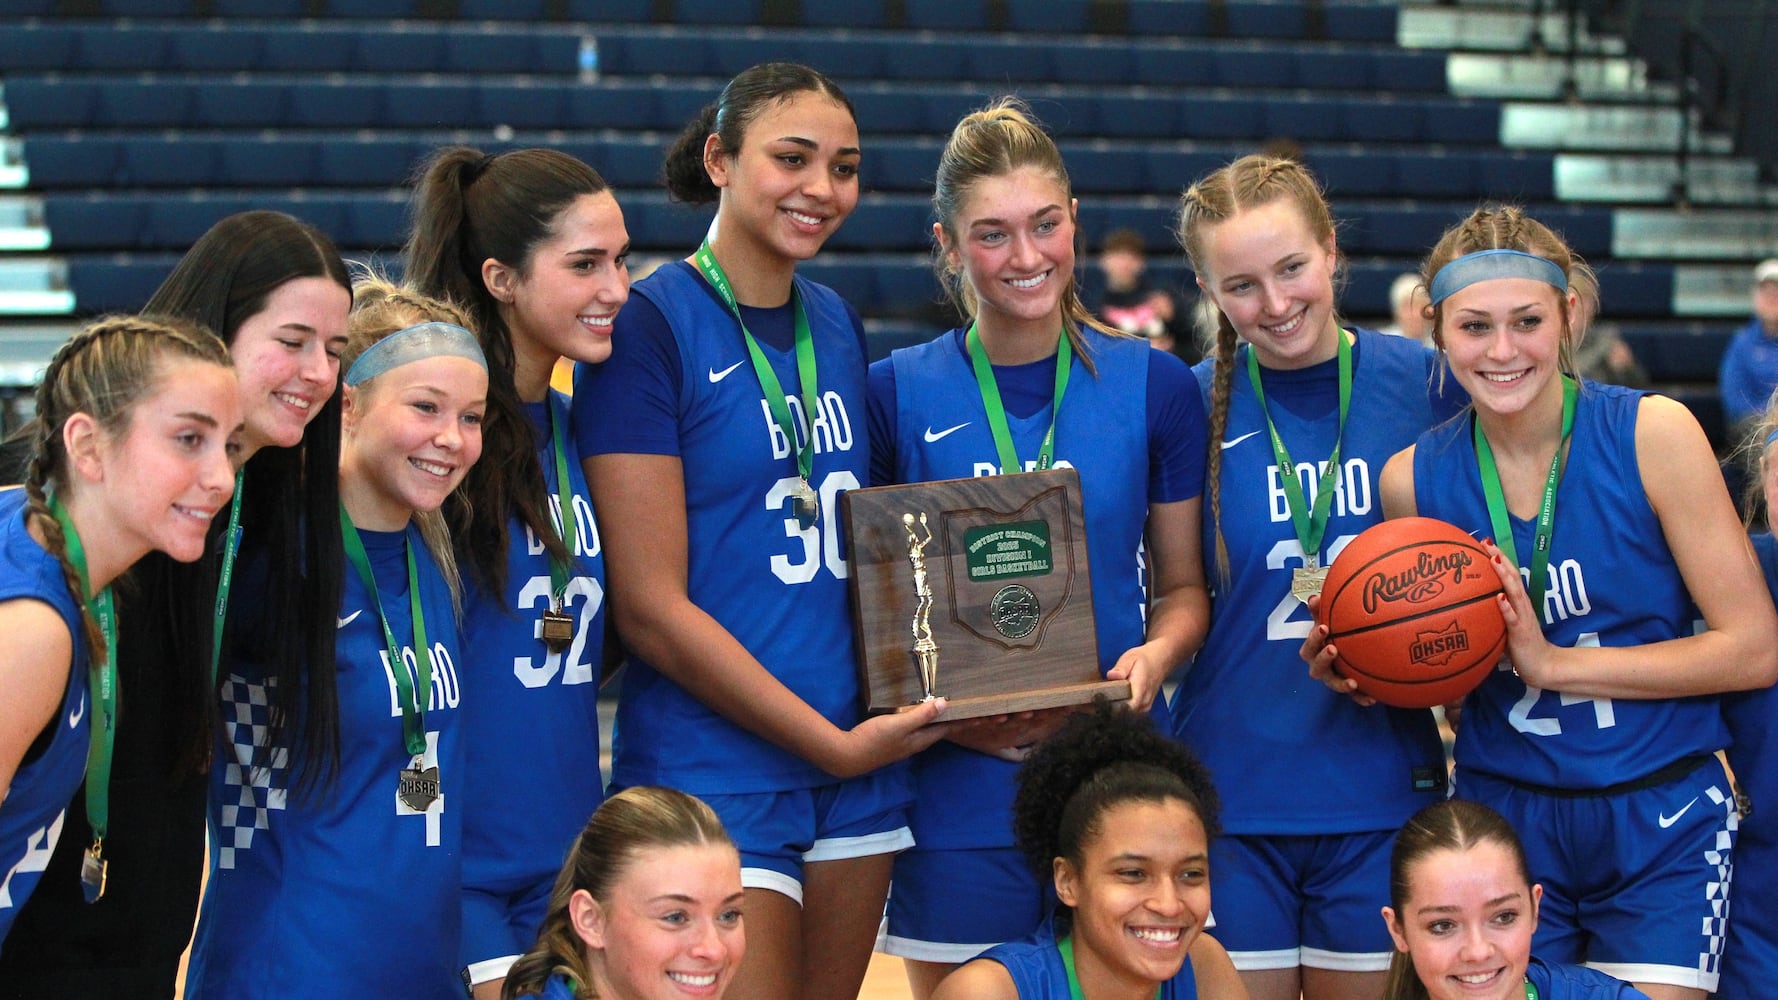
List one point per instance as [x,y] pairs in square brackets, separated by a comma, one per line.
[717,376]
[1667,821]
[1226,445]
[349,619]
[79,713]
[932,437]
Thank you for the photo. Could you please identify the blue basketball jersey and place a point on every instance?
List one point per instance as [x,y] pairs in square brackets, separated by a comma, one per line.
[942,432]
[1752,717]
[1035,964]
[346,890]
[533,720]
[32,815]
[1612,582]
[777,587]
[1577,982]
[1750,954]
[1290,756]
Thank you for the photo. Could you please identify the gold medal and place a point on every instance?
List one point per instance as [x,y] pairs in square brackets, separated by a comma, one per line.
[92,873]
[1306,581]
[558,630]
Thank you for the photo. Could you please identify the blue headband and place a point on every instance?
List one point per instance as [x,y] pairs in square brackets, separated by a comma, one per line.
[416,343]
[1486,265]
[1772,437]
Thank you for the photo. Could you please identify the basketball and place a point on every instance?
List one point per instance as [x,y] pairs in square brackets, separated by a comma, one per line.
[1410,605]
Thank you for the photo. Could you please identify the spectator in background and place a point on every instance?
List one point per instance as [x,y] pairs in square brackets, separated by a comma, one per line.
[1136,307]
[1600,353]
[1407,301]
[1749,368]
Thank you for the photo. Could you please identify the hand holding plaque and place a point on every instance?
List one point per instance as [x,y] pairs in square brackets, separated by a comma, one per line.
[999,580]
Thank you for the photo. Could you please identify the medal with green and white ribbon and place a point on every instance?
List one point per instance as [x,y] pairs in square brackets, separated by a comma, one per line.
[416,786]
[1310,522]
[557,628]
[102,696]
[805,502]
[1546,509]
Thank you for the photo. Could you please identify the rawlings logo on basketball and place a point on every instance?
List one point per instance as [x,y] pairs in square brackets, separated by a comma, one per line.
[1434,649]
[1420,582]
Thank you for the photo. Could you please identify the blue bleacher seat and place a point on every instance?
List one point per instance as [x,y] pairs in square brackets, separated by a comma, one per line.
[947,15]
[1267,18]
[1302,118]
[421,49]
[627,105]
[153,161]
[731,54]
[85,222]
[28,47]
[1055,17]
[147,8]
[630,164]
[116,48]
[1381,120]
[379,221]
[240,104]
[1219,117]
[611,11]
[655,222]
[886,222]
[502,10]
[1148,18]
[260,8]
[365,161]
[1519,176]
[428,103]
[212,47]
[108,283]
[635,54]
[377,10]
[326,103]
[1169,170]
[856,14]
[1360,22]
[257,164]
[905,287]
[890,112]
[63,161]
[900,164]
[144,104]
[927,59]
[520,104]
[739,12]
[1187,64]
[1093,168]
[27,8]
[310,48]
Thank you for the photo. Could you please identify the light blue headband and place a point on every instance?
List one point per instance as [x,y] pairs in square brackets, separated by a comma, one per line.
[1486,265]
[416,343]
[1772,437]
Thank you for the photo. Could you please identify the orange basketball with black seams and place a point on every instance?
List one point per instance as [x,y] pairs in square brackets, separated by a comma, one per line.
[1409,604]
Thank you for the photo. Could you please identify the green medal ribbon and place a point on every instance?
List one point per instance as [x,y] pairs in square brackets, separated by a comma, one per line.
[1066,946]
[1310,525]
[984,378]
[413,703]
[1546,512]
[101,684]
[229,550]
[768,379]
[558,571]
[1530,990]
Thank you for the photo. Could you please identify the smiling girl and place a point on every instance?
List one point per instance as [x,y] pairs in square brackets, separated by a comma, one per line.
[353,888]
[1302,418]
[276,292]
[1601,726]
[1463,909]
[648,907]
[533,241]
[1120,820]
[1032,381]
[136,424]
[717,440]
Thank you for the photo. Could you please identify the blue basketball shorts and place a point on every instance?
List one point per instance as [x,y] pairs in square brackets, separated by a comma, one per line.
[952,905]
[1284,901]
[780,832]
[500,927]
[1635,883]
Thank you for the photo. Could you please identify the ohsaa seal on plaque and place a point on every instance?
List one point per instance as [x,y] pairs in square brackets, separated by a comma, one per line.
[1014,611]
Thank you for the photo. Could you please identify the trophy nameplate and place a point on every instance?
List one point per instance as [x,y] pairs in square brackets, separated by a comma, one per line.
[976,591]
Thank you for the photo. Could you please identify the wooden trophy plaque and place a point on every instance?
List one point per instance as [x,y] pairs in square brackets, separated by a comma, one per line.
[977,591]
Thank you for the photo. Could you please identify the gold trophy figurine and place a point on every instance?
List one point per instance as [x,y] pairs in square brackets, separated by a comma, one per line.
[925,647]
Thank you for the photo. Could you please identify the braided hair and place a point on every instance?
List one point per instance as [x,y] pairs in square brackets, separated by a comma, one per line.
[1249,182]
[1098,760]
[102,371]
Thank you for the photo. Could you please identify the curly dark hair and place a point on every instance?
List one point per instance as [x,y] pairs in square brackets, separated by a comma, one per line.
[1097,760]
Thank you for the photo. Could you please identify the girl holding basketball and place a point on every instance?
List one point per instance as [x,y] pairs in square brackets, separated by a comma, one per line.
[136,425]
[1301,421]
[1032,380]
[533,242]
[1462,909]
[717,439]
[1119,820]
[1596,735]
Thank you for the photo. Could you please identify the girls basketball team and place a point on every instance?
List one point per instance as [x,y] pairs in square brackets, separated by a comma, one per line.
[388,810]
